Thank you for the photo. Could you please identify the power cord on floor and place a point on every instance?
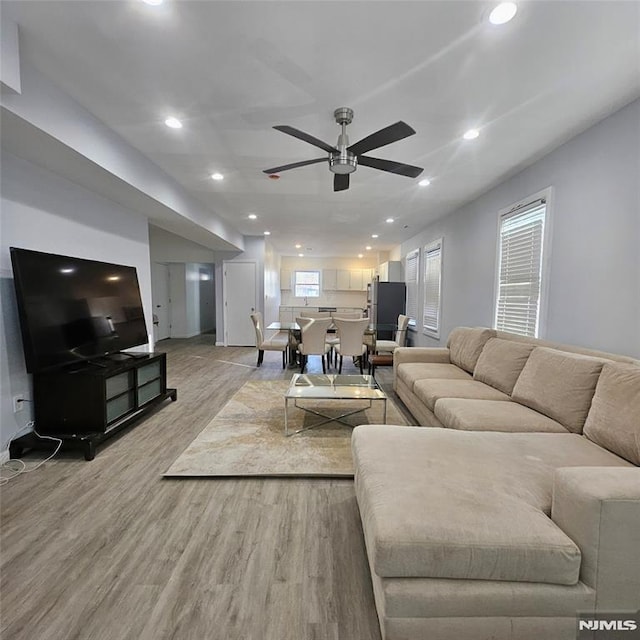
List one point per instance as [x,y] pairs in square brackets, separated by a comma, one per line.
[21,466]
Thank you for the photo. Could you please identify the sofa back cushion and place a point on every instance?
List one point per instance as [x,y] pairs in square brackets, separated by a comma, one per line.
[465,345]
[501,362]
[614,418]
[559,384]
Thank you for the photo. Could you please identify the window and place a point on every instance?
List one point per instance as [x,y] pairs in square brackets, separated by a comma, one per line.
[411,279]
[432,261]
[307,284]
[520,268]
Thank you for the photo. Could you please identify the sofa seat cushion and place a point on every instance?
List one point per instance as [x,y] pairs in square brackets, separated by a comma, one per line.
[430,391]
[493,415]
[501,362]
[467,505]
[559,384]
[614,418]
[409,372]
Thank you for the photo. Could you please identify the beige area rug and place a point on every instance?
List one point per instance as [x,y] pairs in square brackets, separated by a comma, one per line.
[247,438]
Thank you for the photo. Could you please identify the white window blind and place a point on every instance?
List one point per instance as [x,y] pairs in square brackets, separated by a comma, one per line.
[432,261]
[411,280]
[520,270]
[307,284]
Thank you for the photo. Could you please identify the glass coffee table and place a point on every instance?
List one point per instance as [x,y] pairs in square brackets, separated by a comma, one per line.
[331,387]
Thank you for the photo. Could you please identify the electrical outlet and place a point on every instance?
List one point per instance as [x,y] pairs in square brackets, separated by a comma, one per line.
[18,403]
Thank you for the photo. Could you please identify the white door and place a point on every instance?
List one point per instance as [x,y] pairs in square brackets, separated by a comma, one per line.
[161,301]
[239,293]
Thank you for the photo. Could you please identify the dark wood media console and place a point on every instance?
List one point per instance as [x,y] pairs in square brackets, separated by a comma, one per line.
[85,405]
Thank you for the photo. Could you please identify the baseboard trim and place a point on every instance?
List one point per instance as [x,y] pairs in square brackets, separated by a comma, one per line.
[219,344]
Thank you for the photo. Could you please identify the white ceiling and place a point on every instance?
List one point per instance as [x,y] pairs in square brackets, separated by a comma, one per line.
[231,70]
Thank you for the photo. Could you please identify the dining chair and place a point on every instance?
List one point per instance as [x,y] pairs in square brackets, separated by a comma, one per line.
[389,346]
[278,342]
[332,339]
[351,336]
[313,343]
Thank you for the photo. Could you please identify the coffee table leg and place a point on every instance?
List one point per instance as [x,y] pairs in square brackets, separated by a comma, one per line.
[384,420]
[286,417]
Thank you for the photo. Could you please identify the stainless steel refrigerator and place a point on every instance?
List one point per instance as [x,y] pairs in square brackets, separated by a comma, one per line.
[385,302]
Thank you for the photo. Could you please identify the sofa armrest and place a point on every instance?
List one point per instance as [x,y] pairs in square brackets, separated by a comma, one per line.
[419,354]
[599,509]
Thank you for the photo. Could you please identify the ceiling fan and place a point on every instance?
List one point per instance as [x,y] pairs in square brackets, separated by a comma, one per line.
[344,158]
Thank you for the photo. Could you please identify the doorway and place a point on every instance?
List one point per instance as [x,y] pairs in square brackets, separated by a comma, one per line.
[161,301]
[239,294]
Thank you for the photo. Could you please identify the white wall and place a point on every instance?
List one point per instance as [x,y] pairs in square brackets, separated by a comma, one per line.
[42,211]
[168,247]
[594,279]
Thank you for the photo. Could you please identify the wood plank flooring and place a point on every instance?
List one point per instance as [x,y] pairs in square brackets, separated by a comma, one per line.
[110,550]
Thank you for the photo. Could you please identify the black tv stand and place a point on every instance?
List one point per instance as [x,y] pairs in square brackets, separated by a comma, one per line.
[123,355]
[83,407]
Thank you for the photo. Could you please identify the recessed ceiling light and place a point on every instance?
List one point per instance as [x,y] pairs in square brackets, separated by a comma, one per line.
[425,182]
[360,255]
[252,216]
[471,134]
[503,13]
[173,122]
[368,248]
[113,278]
[301,255]
[217,176]
[298,246]
[389,220]
[374,235]
[267,233]
[153,3]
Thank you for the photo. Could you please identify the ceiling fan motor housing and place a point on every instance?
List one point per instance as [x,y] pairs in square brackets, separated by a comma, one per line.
[343,162]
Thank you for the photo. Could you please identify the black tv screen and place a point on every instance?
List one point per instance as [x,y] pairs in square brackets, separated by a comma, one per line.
[73,309]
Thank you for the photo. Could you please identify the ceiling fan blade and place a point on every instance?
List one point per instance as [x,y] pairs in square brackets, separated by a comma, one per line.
[392,167]
[340,181]
[392,133]
[293,165]
[301,135]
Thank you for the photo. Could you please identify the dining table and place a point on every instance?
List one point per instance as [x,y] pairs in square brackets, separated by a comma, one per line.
[293,328]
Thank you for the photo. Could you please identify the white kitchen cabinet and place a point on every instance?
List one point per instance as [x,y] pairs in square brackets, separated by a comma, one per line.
[355,280]
[285,279]
[391,271]
[343,280]
[329,279]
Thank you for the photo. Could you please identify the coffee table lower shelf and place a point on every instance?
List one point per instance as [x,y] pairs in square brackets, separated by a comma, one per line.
[340,388]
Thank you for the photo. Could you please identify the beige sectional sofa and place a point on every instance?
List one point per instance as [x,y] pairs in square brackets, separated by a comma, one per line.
[520,507]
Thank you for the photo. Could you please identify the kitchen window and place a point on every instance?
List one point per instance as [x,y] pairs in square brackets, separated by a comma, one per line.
[307,284]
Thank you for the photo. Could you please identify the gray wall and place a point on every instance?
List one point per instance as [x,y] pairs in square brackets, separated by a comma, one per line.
[43,211]
[594,279]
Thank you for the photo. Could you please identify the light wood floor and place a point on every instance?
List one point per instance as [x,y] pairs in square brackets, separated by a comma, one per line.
[109,549]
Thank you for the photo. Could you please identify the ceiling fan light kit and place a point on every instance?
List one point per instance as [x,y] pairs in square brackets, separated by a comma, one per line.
[343,159]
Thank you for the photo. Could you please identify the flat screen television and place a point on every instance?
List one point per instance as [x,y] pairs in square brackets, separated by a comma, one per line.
[72,309]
